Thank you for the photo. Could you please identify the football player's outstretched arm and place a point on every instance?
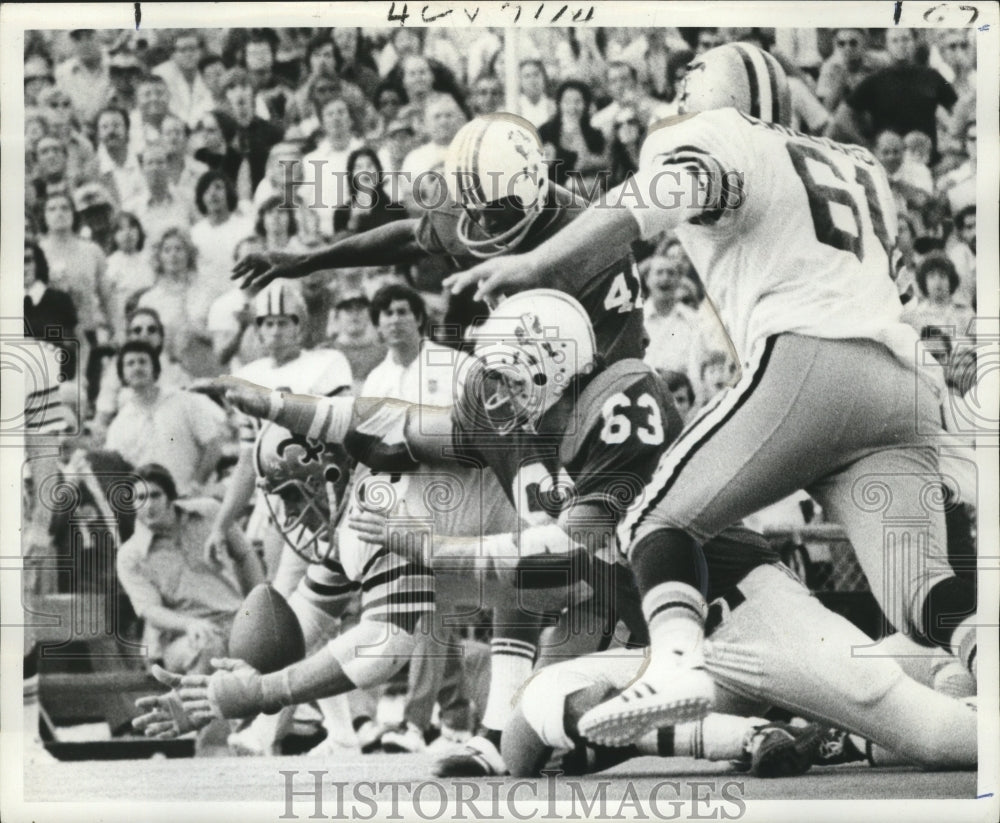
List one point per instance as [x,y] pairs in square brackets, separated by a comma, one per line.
[368,654]
[595,240]
[360,423]
[389,245]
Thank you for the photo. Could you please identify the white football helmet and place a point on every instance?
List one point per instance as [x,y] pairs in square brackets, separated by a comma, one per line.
[527,353]
[309,477]
[496,159]
[741,76]
[282,299]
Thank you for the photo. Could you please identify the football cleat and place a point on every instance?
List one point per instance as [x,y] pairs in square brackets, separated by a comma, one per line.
[782,750]
[247,743]
[835,747]
[687,695]
[403,739]
[370,736]
[479,758]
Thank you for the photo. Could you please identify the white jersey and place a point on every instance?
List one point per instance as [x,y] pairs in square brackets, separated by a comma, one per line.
[791,234]
[460,501]
[323,372]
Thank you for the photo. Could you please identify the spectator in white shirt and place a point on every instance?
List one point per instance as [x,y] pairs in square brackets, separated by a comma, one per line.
[326,167]
[158,206]
[181,430]
[152,98]
[623,84]
[534,104]
[190,97]
[230,318]
[915,170]
[673,327]
[118,166]
[85,76]
[128,270]
[416,369]
[443,119]
[183,169]
[217,233]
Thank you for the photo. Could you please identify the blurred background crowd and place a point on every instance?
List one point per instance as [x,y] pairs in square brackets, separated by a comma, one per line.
[156,159]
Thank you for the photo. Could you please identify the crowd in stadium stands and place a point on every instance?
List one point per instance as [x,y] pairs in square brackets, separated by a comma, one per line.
[155,159]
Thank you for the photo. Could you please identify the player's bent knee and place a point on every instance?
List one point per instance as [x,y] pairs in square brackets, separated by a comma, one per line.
[522,749]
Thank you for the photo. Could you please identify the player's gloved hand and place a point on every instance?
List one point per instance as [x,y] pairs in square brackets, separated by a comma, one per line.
[166,716]
[234,690]
[255,271]
[495,278]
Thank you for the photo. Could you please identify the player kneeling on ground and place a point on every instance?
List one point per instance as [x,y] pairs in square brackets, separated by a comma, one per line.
[396,594]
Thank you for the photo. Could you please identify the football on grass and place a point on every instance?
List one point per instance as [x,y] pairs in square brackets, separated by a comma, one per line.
[266,632]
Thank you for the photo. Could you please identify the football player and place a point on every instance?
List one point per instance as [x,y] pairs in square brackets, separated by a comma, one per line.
[280,315]
[501,200]
[395,595]
[610,425]
[571,442]
[792,236]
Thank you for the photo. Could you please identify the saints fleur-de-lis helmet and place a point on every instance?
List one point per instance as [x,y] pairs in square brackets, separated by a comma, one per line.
[309,478]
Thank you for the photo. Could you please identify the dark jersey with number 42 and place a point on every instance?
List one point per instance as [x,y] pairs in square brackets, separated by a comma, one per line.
[612,298]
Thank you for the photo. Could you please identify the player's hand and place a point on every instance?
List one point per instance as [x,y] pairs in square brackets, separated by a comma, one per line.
[256,270]
[245,396]
[234,690]
[166,716]
[370,525]
[216,546]
[494,278]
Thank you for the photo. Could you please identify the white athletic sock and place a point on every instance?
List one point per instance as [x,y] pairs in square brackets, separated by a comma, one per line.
[963,644]
[511,662]
[337,720]
[675,613]
[266,730]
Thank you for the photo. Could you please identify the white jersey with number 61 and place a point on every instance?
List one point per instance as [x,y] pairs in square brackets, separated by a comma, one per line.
[791,233]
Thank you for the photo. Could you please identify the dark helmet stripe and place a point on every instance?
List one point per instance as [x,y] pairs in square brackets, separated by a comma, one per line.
[751,80]
[772,77]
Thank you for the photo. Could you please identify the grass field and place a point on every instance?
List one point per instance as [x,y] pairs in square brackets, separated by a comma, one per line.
[259,780]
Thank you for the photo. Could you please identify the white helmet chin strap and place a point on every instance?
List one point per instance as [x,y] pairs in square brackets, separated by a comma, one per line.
[495,244]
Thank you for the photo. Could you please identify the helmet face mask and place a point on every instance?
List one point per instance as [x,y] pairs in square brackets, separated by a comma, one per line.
[528,353]
[307,477]
[496,172]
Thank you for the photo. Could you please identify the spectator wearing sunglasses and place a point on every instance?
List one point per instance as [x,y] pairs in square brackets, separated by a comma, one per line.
[38,76]
[81,163]
[140,324]
[843,71]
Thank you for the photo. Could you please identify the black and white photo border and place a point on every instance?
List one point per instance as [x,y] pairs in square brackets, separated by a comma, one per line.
[23,788]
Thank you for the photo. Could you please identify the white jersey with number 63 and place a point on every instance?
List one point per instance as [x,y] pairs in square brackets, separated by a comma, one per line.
[791,233]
